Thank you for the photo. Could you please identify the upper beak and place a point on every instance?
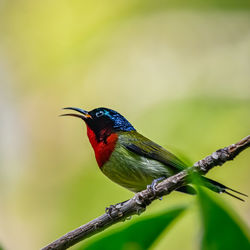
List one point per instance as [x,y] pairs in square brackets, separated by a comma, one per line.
[84,114]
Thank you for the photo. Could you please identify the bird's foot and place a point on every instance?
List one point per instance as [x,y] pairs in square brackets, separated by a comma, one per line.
[154,183]
[109,210]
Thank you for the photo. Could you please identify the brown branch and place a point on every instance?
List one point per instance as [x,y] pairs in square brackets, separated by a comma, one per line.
[141,200]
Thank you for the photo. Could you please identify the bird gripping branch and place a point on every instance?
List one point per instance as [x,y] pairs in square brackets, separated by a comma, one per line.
[130,159]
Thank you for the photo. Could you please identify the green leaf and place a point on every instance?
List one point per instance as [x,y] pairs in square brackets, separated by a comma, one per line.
[221,229]
[139,234]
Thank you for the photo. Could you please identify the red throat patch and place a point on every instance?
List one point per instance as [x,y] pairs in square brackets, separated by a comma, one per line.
[103,150]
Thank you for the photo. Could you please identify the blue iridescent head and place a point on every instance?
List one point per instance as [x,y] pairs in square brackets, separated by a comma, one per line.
[103,118]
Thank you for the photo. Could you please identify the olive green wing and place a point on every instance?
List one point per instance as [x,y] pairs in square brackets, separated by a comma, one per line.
[141,145]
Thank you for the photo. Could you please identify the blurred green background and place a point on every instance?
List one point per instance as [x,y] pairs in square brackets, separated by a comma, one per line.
[179,72]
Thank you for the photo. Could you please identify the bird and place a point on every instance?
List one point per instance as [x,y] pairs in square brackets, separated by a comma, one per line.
[131,160]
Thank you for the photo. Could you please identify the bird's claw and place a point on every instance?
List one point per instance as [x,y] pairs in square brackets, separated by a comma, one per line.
[116,207]
[154,183]
[108,210]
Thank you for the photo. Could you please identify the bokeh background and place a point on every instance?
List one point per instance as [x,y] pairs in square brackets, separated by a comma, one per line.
[179,72]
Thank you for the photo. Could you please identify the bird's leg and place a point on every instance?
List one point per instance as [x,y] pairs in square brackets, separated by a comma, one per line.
[111,208]
[154,183]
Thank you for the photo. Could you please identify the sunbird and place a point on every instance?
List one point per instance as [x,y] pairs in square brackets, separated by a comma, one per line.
[128,158]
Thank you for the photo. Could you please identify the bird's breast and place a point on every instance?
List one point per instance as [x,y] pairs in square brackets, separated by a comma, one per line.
[131,170]
[102,148]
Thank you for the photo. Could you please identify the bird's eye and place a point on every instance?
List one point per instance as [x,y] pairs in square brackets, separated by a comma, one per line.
[99,113]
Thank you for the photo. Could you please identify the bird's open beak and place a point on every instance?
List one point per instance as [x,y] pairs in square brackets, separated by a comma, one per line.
[84,114]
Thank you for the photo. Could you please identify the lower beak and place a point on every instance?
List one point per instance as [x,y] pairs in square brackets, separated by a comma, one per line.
[84,114]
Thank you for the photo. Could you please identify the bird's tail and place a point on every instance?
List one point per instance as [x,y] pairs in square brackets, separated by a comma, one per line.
[220,188]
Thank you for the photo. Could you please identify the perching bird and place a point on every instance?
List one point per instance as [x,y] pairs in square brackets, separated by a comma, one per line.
[130,159]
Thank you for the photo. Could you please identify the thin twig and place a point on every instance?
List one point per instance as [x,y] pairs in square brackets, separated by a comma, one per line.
[141,200]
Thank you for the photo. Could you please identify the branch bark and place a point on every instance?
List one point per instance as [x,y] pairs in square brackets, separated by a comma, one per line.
[141,200]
